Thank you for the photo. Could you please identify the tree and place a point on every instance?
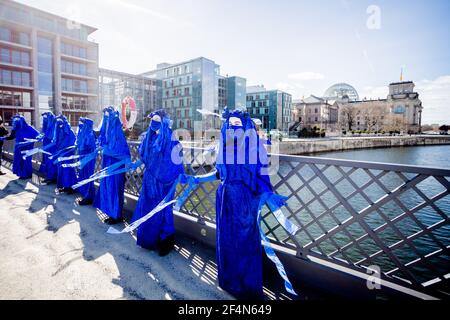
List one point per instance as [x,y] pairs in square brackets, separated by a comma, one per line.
[347,117]
[373,118]
[444,128]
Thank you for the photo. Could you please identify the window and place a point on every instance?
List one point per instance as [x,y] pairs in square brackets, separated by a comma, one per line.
[83,69]
[24,38]
[83,53]
[5,34]
[26,99]
[6,77]
[45,46]
[25,58]
[75,68]
[45,82]
[45,63]
[5,55]
[17,78]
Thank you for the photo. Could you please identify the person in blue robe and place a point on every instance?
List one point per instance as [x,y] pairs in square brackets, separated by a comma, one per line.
[162,157]
[48,168]
[239,251]
[21,131]
[86,144]
[64,140]
[241,167]
[110,194]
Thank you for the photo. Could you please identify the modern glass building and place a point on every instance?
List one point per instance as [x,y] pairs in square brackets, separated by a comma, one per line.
[196,84]
[115,86]
[236,92]
[272,107]
[47,63]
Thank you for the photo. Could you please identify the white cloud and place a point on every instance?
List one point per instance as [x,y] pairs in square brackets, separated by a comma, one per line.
[435,96]
[305,76]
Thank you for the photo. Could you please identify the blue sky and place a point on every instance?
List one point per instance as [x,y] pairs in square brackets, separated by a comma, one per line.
[302,47]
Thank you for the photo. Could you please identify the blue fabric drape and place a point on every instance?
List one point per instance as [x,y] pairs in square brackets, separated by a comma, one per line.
[86,144]
[239,252]
[110,194]
[21,130]
[48,129]
[64,138]
[162,158]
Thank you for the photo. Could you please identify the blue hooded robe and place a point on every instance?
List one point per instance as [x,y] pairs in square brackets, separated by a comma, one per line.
[64,138]
[110,194]
[86,144]
[239,251]
[48,129]
[21,130]
[156,151]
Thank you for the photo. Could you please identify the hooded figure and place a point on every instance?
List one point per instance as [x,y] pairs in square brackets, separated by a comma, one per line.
[64,140]
[110,194]
[163,162]
[86,144]
[21,131]
[239,164]
[48,129]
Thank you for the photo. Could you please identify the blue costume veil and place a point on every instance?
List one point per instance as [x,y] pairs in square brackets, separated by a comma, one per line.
[21,130]
[162,157]
[64,140]
[239,251]
[86,144]
[110,195]
[48,129]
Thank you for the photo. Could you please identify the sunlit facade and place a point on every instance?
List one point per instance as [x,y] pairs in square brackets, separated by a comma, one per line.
[196,84]
[272,107]
[47,64]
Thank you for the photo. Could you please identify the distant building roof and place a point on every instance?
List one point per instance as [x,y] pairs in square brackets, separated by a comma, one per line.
[255,89]
[402,82]
[45,13]
[339,90]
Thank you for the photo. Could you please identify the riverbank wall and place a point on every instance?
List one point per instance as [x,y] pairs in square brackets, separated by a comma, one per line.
[306,146]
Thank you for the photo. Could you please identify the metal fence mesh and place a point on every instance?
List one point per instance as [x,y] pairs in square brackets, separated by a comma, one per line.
[356,214]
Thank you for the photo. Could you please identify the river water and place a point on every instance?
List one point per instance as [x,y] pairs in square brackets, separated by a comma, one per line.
[427,156]
[310,213]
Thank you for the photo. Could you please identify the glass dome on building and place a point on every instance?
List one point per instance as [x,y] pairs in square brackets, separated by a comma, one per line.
[339,90]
